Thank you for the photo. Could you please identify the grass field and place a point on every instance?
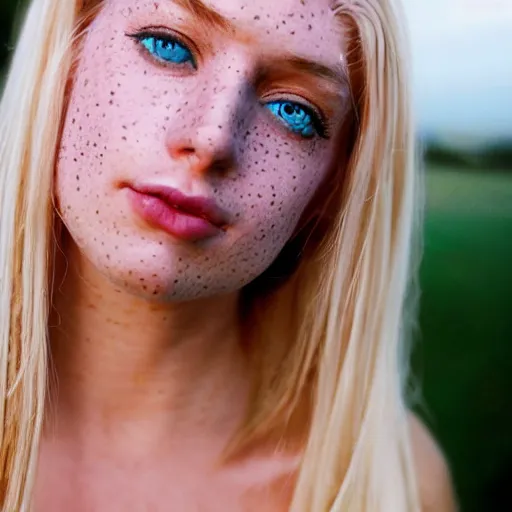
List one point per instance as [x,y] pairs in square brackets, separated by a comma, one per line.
[466,329]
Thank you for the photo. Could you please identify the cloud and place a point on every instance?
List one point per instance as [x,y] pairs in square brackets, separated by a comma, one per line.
[462,70]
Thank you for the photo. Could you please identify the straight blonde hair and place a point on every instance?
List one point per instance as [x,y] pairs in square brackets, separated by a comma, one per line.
[335,330]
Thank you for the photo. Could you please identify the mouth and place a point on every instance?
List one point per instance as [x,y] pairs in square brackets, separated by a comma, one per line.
[196,206]
[187,217]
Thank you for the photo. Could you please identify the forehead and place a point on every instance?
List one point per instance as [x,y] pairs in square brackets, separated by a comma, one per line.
[279,17]
[306,27]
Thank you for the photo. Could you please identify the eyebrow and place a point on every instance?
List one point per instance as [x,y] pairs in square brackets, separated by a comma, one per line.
[214,19]
[335,76]
[206,14]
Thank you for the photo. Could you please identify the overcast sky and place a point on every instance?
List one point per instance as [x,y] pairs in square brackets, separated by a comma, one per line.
[463,65]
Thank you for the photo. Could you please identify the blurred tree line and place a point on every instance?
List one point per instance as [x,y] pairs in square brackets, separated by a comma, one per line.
[494,156]
[7,11]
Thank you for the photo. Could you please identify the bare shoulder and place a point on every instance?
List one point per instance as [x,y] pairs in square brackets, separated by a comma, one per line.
[434,479]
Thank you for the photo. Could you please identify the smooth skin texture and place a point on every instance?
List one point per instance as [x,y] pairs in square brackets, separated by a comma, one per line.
[434,479]
[145,339]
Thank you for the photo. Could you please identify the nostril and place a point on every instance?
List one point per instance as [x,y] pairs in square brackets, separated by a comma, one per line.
[223,164]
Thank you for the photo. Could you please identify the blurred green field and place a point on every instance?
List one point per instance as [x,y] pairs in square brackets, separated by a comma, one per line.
[464,354]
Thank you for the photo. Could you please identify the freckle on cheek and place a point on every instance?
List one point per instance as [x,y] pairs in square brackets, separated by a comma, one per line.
[265,166]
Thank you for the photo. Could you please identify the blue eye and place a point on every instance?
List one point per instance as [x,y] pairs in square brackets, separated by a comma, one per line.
[297,118]
[167,49]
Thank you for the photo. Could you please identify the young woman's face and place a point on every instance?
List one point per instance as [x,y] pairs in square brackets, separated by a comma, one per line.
[196,135]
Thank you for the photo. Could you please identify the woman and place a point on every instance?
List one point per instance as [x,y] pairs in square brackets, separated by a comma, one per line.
[206,221]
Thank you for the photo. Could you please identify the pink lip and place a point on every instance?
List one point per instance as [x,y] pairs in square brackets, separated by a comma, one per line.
[188,218]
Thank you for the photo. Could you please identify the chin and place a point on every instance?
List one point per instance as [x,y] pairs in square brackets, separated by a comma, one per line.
[161,269]
[158,273]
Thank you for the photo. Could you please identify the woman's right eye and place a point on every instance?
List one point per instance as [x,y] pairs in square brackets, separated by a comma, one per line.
[167,49]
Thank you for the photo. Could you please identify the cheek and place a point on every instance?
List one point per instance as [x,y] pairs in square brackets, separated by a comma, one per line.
[279,183]
[105,127]
[80,174]
[94,132]
[282,179]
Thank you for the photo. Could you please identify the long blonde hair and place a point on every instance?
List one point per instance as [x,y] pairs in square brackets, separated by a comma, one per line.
[335,330]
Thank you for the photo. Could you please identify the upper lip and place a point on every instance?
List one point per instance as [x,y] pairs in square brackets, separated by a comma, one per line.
[197,206]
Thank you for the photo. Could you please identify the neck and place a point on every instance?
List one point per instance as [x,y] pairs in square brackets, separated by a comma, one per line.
[122,360]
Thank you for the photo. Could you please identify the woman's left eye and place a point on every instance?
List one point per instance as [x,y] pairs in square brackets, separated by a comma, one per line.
[298,118]
[167,49]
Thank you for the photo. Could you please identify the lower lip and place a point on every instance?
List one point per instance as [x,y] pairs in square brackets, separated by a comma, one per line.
[177,223]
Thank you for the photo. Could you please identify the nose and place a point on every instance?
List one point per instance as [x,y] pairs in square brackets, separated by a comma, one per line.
[204,148]
[206,138]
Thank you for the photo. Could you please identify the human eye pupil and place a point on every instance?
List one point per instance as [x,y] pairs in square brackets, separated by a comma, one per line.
[167,50]
[297,118]
[289,109]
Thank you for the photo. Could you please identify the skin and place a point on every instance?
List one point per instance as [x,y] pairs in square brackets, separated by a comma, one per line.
[145,340]
[433,474]
[203,132]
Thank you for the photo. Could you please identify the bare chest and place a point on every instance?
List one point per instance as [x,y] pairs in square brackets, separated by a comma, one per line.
[63,486]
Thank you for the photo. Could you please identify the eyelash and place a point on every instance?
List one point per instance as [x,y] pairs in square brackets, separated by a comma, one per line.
[153,41]
[166,38]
